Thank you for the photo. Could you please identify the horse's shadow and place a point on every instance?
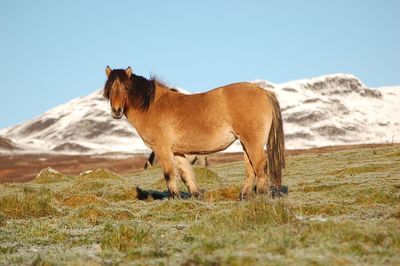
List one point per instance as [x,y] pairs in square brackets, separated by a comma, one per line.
[151,194]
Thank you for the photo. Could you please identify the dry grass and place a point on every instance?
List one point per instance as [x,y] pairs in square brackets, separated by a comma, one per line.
[368,168]
[99,174]
[28,204]
[343,208]
[76,201]
[223,193]
[124,237]
[91,214]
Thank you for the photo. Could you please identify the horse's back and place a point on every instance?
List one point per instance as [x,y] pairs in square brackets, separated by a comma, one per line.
[236,93]
[237,108]
[230,104]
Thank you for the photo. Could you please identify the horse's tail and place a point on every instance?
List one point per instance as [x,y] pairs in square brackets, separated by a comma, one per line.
[276,143]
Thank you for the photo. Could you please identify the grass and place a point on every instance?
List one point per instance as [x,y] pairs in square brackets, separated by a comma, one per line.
[28,204]
[49,175]
[343,208]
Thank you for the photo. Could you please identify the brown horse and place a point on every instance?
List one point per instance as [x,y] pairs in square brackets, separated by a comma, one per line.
[174,124]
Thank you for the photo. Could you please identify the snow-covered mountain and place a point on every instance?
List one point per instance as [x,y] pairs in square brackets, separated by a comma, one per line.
[328,110]
[83,125]
[337,109]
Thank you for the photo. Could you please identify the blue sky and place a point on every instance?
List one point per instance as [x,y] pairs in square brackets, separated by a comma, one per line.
[53,51]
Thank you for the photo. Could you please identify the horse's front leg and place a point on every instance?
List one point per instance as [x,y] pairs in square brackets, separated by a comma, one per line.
[167,162]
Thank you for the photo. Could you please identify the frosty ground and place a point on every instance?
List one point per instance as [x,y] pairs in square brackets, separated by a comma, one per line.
[343,208]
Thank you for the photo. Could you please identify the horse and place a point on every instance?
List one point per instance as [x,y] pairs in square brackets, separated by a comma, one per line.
[173,124]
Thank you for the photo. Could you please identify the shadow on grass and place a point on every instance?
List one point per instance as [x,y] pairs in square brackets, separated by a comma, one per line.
[151,194]
[157,195]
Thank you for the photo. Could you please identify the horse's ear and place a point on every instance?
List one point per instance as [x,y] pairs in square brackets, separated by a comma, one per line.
[128,72]
[108,71]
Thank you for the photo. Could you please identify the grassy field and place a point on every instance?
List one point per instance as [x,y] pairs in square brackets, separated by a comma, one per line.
[343,208]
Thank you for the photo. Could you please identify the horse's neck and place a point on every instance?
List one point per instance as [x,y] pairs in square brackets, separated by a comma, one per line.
[137,117]
[160,91]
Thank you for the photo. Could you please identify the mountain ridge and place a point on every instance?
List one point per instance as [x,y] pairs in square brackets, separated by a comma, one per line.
[328,110]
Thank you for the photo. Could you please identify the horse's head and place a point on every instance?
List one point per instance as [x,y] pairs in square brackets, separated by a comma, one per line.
[116,89]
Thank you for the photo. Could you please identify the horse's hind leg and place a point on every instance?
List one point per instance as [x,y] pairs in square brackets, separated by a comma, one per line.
[186,172]
[257,158]
[167,163]
[247,188]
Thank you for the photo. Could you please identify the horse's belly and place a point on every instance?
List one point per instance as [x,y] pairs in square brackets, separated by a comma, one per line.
[204,143]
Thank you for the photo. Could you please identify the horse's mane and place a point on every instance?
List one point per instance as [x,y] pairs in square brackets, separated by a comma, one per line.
[141,91]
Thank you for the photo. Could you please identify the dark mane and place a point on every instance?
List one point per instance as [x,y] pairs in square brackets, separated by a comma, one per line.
[141,91]
[141,94]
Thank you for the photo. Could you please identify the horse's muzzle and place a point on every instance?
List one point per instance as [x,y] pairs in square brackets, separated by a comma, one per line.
[117,113]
